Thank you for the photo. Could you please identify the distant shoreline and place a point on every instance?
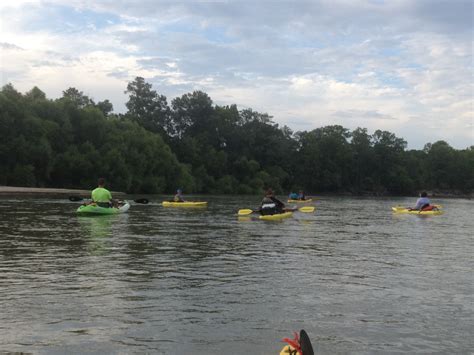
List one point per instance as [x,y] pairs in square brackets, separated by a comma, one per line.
[40,191]
[431,194]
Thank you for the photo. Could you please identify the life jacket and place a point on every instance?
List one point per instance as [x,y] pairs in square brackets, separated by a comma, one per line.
[268,208]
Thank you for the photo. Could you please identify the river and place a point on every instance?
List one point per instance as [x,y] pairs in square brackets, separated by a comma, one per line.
[356,277]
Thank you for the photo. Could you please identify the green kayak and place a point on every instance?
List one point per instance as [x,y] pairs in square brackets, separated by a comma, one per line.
[97,210]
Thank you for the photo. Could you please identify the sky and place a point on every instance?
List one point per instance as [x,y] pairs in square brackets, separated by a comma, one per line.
[405,66]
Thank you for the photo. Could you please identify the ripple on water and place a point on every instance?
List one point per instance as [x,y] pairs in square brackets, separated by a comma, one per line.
[355,276]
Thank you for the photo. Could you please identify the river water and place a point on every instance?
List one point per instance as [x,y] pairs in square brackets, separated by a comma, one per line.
[356,277]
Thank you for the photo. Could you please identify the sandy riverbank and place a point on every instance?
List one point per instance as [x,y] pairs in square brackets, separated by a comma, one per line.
[35,191]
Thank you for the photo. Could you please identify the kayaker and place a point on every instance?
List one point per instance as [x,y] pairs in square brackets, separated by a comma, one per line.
[179,196]
[270,204]
[101,196]
[422,202]
[293,196]
[301,195]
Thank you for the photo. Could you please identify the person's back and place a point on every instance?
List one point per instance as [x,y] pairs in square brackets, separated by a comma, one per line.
[267,207]
[301,195]
[422,202]
[179,196]
[100,195]
[293,196]
[270,204]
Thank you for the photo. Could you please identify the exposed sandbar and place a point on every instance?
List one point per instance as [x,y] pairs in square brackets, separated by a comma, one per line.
[39,191]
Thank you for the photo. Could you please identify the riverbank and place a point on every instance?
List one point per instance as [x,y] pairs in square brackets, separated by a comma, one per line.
[52,192]
[431,194]
[48,192]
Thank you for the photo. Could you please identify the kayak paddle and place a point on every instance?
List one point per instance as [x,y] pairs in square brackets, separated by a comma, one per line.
[245,212]
[300,344]
[141,200]
[305,343]
[79,198]
[306,209]
[75,198]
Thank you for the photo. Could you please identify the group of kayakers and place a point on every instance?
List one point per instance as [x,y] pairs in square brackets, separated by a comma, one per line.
[297,196]
[270,205]
[103,197]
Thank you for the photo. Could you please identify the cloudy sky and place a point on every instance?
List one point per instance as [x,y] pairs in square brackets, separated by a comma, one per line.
[404,66]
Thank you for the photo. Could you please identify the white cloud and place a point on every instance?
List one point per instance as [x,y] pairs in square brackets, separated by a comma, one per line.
[380,65]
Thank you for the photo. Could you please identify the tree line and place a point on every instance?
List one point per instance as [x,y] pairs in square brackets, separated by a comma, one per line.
[200,147]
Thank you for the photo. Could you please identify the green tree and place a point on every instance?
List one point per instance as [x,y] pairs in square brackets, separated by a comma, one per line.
[362,161]
[105,107]
[388,151]
[147,108]
[200,147]
[77,98]
[192,114]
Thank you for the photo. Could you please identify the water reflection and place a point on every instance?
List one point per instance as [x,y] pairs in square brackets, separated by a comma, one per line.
[97,230]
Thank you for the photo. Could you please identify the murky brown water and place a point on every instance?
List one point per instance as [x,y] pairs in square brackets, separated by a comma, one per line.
[181,281]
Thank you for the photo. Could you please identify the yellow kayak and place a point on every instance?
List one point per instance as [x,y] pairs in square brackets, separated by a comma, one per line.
[184,204]
[276,217]
[300,201]
[408,211]
[288,350]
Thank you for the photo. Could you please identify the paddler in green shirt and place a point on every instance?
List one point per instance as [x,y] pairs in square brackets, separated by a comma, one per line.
[101,196]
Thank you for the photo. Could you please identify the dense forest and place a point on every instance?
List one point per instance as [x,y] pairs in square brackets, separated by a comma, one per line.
[156,147]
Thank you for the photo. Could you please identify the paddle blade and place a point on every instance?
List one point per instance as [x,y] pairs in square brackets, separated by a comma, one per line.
[244,212]
[307,209]
[142,200]
[305,343]
[75,198]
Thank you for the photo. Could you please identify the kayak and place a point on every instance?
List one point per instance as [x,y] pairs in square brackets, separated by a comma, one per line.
[288,350]
[408,211]
[300,201]
[276,217]
[184,204]
[94,209]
